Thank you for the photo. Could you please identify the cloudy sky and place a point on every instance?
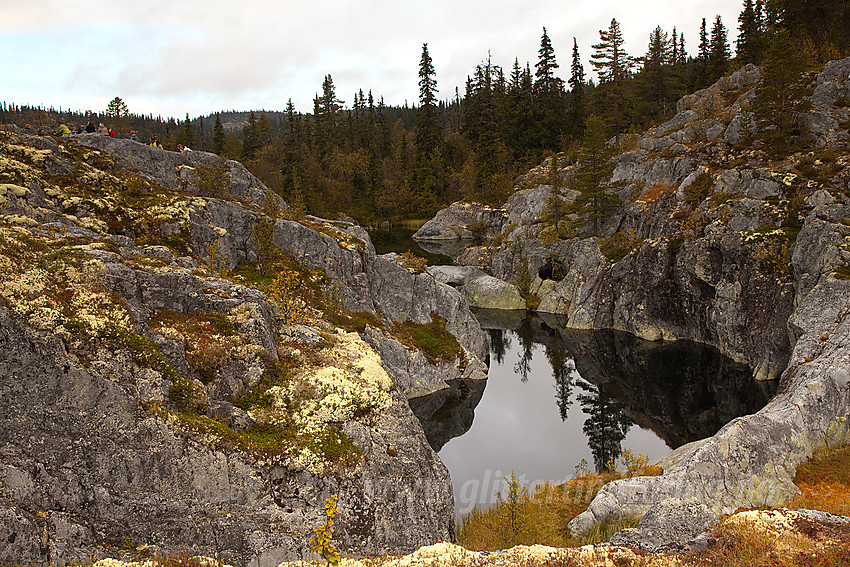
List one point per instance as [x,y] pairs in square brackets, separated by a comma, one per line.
[189,56]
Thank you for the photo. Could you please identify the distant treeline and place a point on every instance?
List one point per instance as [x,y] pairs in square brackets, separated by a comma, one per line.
[377,162]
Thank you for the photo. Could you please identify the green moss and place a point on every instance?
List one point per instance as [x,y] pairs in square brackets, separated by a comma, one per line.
[718,199]
[268,441]
[842,273]
[276,372]
[433,339]
[355,320]
[177,243]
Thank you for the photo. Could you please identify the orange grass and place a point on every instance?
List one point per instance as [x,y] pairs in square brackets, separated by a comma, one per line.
[655,192]
[824,482]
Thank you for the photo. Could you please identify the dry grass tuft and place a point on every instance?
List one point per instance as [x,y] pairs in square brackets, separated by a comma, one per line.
[656,191]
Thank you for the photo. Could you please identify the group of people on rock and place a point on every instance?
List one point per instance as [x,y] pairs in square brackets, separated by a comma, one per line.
[63,130]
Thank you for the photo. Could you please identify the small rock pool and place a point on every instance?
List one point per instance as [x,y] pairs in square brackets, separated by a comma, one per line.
[557,399]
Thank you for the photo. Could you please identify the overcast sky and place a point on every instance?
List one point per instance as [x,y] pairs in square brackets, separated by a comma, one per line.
[173,57]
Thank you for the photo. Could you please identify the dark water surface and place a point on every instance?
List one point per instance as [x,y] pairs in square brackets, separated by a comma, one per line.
[556,396]
[399,240]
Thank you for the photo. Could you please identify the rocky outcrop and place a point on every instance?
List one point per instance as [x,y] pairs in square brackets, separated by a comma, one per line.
[178,170]
[105,470]
[718,242]
[751,461]
[129,395]
[466,221]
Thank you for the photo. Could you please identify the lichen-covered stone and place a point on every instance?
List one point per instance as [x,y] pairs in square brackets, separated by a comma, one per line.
[93,451]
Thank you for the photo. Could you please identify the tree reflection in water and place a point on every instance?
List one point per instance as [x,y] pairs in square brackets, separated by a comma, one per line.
[606,425]
[605,383]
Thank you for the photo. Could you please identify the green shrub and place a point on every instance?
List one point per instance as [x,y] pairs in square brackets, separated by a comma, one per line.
[842,273]
[213,180]
[618,245]
[699,189]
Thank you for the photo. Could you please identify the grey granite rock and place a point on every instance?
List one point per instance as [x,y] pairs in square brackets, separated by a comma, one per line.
[462,221]
[86,460]
[492,293]
[668,525]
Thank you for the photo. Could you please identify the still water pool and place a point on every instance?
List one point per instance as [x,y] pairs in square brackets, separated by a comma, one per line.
[558,397]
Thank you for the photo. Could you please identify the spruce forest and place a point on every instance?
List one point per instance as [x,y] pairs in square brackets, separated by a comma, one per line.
[378,163]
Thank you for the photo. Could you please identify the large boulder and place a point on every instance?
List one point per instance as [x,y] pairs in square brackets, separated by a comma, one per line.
[670,524]
[492,293]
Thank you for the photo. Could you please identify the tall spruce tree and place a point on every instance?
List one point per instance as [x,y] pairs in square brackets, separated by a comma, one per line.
[544,69]
[748,44]
[186,136]
[703,56]
[218,136]
[595,201]
[250,138]
[429,169]
[578,96]
[719,53]
[611,62]
[614,66]
[550,95]
[781,99]
[674,53]
[519,126]
[326,110]
[657,81]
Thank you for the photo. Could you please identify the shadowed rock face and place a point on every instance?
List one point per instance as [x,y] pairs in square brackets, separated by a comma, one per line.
[750,312]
